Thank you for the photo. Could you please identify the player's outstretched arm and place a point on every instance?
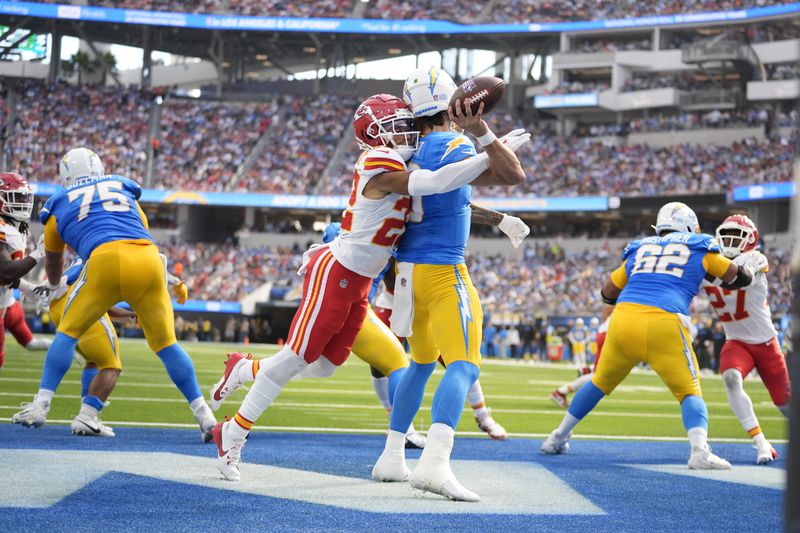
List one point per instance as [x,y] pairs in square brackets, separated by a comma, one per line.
[11,270]
[513,227]
[504,167]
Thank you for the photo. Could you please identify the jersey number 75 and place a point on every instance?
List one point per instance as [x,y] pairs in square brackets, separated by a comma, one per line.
[109,192]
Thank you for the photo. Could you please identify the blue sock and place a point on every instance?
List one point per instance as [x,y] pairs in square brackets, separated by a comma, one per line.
[181,370]
[409,394]
[585,400]
[394,380]
[57,361]
[694,413]
[94,401]
[448,402]
[88,375]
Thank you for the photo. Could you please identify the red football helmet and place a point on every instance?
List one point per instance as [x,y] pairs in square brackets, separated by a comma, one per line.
[737,234]
[385,120]
[16,197]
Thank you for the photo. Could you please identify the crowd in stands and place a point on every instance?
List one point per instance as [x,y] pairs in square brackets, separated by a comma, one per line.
[49,120]
[571,87]
[228,273]
[503,11]
[643,83]
[203,143]
[602,45]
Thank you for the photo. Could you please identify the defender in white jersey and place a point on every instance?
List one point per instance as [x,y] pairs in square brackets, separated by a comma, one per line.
[751,338]
[338,276]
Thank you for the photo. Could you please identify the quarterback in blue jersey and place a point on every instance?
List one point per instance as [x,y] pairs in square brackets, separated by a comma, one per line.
[99,216]
[651,292]
[436,305]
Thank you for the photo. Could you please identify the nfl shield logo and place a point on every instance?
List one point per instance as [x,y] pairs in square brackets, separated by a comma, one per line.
[343,283]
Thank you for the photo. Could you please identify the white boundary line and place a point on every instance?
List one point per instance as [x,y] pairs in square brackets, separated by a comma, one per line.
[303,429]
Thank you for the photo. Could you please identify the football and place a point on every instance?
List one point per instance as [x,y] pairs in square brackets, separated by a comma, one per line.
[486,89]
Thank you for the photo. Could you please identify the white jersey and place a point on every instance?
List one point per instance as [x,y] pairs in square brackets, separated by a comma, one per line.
[371,228]
[745,313]
[16,243]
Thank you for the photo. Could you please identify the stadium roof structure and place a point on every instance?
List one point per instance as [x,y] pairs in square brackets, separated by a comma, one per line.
[292,45]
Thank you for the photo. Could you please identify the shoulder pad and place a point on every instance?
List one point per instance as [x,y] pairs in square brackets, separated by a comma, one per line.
[630,249]
[383,159]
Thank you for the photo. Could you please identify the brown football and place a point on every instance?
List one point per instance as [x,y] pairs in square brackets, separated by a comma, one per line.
[486,89]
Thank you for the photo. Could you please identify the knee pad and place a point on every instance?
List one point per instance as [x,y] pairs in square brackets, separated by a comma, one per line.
[283,366]
[732,378]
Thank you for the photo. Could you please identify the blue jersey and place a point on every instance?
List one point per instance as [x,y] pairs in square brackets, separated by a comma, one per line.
[666,272]
[95,211]
[438,227]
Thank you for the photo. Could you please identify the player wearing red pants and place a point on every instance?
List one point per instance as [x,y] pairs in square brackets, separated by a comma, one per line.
[14,322]
[751,340]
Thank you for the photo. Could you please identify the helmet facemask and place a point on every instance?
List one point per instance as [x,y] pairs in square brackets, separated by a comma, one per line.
[396,132]
[17,204]
[734,239]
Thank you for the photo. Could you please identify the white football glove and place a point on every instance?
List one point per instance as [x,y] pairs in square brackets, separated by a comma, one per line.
[755,260]
[515,228]
[516,139]
[38,253]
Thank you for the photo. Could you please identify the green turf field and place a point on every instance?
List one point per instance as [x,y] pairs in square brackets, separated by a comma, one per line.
[516,392]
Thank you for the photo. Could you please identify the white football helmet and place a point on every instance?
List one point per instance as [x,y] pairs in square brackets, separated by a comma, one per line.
[594,322]
[578,322]
[737,235]
[79,163]
[676,216]
[427,91]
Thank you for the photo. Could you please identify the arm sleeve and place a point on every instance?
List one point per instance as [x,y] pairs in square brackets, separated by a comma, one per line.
[52,240]
[715,264]
[144,217]
[448,178]
[620,277]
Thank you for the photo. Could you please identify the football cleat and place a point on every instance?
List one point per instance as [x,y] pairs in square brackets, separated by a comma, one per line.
[391,468]
[559,398]
[703,459]
[206,419]
[765,454]
[90,426]
[229,452]
[555,444]
[437,477]
[33,414]
[489,425]
[230,379]
[415,441]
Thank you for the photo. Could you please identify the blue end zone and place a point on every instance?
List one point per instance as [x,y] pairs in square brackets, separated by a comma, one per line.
[631,498]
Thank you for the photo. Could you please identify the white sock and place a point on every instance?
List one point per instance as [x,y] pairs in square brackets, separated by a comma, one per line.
[321,368]
[197,404]
[88,410]
[760,440]
[411,429]
[575,385]
[246,371]
[45,395]
[274,373]
[482,412]
[475,394]
[395,442]
[740,402]
[439,444]
[381,386]
[698,437]
[38,344]
[568,423]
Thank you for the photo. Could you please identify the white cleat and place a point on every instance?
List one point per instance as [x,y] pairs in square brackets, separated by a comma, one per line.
[33,414]
[229,452]
[489,425]
[415,441]
[90,426]
[391,468]
[437,477]
[765,453]
[555,444]
[229,381]
[703,459]
[206,419]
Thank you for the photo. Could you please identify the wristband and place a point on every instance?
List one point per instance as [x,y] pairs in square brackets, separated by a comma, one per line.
[607,300]
[487,138]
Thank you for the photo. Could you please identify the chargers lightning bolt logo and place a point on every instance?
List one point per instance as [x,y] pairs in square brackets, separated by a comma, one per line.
[464,306]
[452,145]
